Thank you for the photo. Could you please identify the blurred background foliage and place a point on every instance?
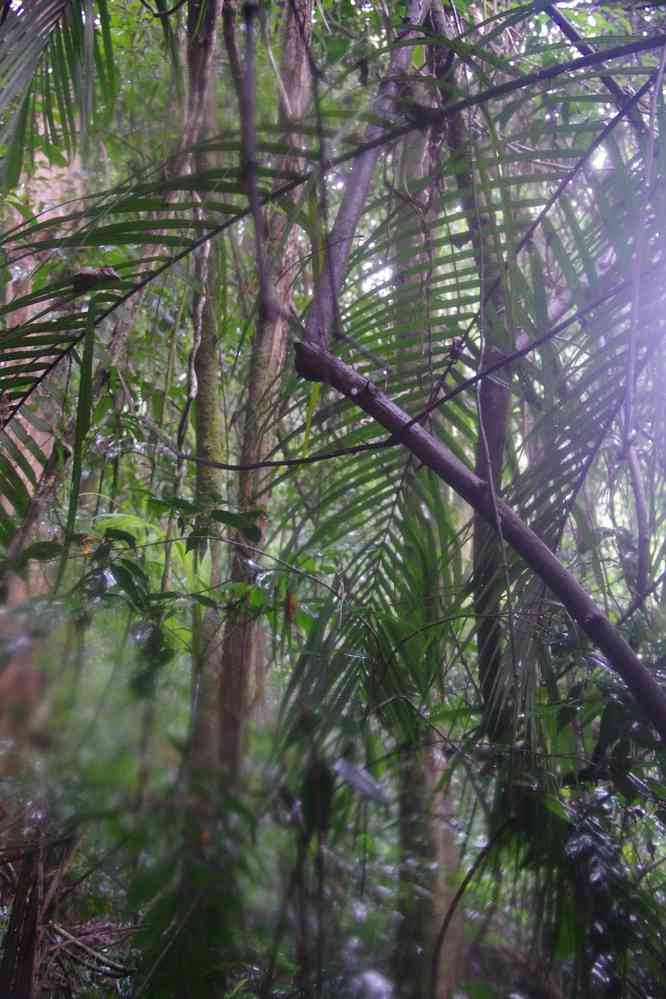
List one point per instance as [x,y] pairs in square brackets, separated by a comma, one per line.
[307,729]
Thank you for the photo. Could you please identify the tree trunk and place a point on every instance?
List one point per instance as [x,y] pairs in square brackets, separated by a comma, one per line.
[17,970]
[428,851]
[428,865]
[492,396]
[243,656]
[205,734]
[192,964]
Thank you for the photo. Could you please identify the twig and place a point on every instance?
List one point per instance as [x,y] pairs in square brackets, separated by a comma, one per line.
[267,463]
[89,950]
[284,96]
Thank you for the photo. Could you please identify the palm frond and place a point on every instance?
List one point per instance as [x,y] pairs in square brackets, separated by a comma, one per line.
[57,74]
[572,387]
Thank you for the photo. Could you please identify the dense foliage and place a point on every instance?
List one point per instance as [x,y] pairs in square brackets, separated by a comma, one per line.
[333,492]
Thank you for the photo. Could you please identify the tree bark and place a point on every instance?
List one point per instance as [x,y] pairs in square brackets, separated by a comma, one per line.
[243,654]
[206,916]
[204,749]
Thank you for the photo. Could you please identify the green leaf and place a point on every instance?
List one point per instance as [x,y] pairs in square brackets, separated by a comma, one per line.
[243,522]
[201,598]
[183,506]
[14,160]
[197,541]
[40,551]
[115,534]
[126,579]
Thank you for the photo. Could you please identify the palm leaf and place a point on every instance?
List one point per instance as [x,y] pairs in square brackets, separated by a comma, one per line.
[49,52]
[573,386]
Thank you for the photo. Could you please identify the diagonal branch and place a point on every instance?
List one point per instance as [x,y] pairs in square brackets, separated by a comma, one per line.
[316,364]
[620,96]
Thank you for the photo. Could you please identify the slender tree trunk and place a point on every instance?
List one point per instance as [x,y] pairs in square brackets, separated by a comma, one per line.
[429,854]
[192,964]
[204,390]
[417,862]
[429,863]
[450,963]
[243,655]
[205,734]
[492,396]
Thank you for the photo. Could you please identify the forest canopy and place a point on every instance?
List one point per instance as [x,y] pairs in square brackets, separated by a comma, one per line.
[332,458]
